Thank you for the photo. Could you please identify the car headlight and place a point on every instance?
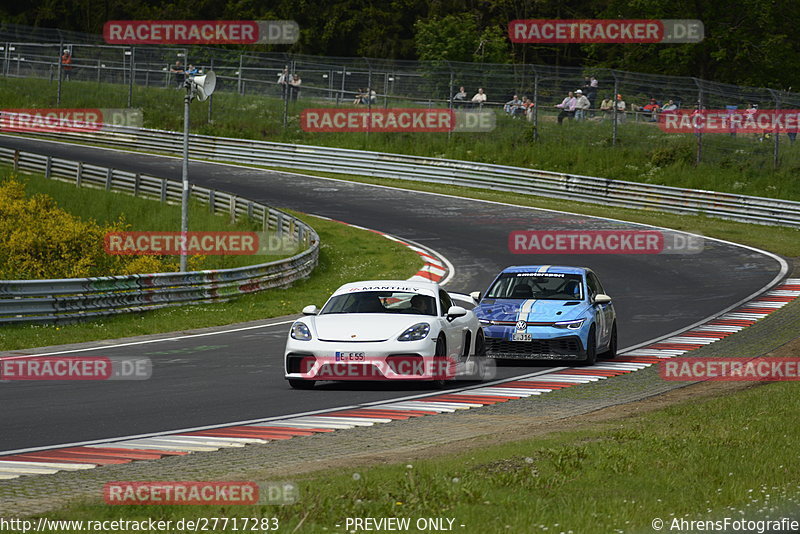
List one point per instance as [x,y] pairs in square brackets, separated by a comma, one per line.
[300,332]
[416,332]
[570,325]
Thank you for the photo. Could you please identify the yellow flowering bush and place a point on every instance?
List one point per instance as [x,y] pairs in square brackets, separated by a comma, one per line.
[40,240]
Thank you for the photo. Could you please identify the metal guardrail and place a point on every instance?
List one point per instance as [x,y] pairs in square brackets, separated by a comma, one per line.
[73,299]
[618,193]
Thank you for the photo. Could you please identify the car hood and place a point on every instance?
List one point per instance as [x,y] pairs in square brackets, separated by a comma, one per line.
[364,326]
[540,310]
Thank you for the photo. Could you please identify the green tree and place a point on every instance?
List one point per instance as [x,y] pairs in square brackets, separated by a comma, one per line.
[458,38]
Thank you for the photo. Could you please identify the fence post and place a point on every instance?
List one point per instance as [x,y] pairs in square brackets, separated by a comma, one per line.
[58,55]
[535,106]
[450,98]
[131,73]
[616,111]
[776,147]
[699,133]
[210,98]
[239,83]
[344,75]
[369,95]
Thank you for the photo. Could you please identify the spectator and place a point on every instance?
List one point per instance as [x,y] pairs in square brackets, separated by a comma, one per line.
[179,72]
[619,109]
[581,106]
[528,106]
[361,96]
[66,63]
[607,107]
[191,70]
[371,96]
[591,94]
[651,110]
[460,97]
[294,87]
[479,98]
[283,82]
[567,107]
[669,106]
[513,106]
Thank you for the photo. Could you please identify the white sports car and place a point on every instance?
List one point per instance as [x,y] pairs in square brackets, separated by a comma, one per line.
[385,330]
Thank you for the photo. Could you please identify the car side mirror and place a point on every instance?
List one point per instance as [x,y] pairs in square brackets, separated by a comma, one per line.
[310,310]
[455,311]
[600,298]
[476,296]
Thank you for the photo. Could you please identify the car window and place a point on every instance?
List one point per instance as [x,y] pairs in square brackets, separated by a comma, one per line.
[547,286]
[597,283]
[445,301]
[594,285]
[381,302]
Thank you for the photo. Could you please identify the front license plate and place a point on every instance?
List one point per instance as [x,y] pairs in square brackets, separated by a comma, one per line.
[521,336]
[350,356]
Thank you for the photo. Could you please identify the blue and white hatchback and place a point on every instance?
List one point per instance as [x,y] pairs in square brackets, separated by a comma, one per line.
[547,312]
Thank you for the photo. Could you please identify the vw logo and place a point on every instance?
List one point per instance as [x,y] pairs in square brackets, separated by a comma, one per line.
[522,325]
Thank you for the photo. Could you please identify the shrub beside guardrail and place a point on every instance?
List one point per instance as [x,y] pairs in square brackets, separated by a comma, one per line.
[73,299]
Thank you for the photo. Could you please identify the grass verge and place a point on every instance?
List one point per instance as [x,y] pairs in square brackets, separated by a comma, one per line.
[731,456]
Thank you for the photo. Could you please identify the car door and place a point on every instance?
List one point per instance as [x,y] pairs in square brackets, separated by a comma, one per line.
[603,312]
[455,330]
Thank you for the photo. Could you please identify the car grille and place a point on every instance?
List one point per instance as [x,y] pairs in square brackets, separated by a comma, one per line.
[536,349]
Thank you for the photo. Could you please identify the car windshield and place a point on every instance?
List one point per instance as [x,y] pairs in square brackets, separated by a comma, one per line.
[548,286]
[381,302]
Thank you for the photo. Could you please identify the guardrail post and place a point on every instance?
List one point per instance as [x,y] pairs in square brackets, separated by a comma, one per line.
[136,180]
[250,210]
[79,175]
[109,178]
[212,200]
[48,166]
[16,160]
[163,191]
[233,208]
[280,224]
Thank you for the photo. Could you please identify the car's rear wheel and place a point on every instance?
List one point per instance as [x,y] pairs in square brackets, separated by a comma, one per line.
[301,384]
[440,363]
[612,344]
[591,347]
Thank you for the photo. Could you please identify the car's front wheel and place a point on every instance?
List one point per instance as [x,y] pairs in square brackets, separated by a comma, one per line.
[591,347]
[612,344]
[440,363]
[301,384]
